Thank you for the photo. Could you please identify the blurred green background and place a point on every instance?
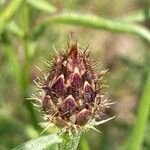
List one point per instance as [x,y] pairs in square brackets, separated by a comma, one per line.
[26,41]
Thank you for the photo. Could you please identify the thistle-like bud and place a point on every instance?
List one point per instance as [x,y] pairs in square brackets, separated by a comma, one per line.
[71,91]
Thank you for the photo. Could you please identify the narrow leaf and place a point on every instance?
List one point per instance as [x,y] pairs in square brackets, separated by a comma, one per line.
[135,140]
[40,143]
[8,13]
[14,28]
[42,5]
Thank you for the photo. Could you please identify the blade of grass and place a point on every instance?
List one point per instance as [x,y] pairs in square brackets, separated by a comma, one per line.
[27,66]
[42,5]
[8,13]
[97,23]
[14,28]
[137,16]
[135,140]
[14,63]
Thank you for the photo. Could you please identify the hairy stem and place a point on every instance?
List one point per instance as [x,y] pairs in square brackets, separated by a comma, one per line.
[70,142]
[97,23]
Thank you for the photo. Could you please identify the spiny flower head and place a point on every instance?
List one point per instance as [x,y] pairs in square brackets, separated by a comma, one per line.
[72,97]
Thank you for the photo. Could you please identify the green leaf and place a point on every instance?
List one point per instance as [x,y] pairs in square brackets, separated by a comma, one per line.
[135,140]
[15,29]
[42,5]
[8,13]
[14,62]
[40,143]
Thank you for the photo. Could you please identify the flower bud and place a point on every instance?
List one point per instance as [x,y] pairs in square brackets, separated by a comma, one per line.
[71,90]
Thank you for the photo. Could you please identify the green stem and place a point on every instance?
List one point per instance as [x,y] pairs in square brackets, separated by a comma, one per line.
[8,13]
[97,23]
[27,66]
[70,142]
[135,140]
